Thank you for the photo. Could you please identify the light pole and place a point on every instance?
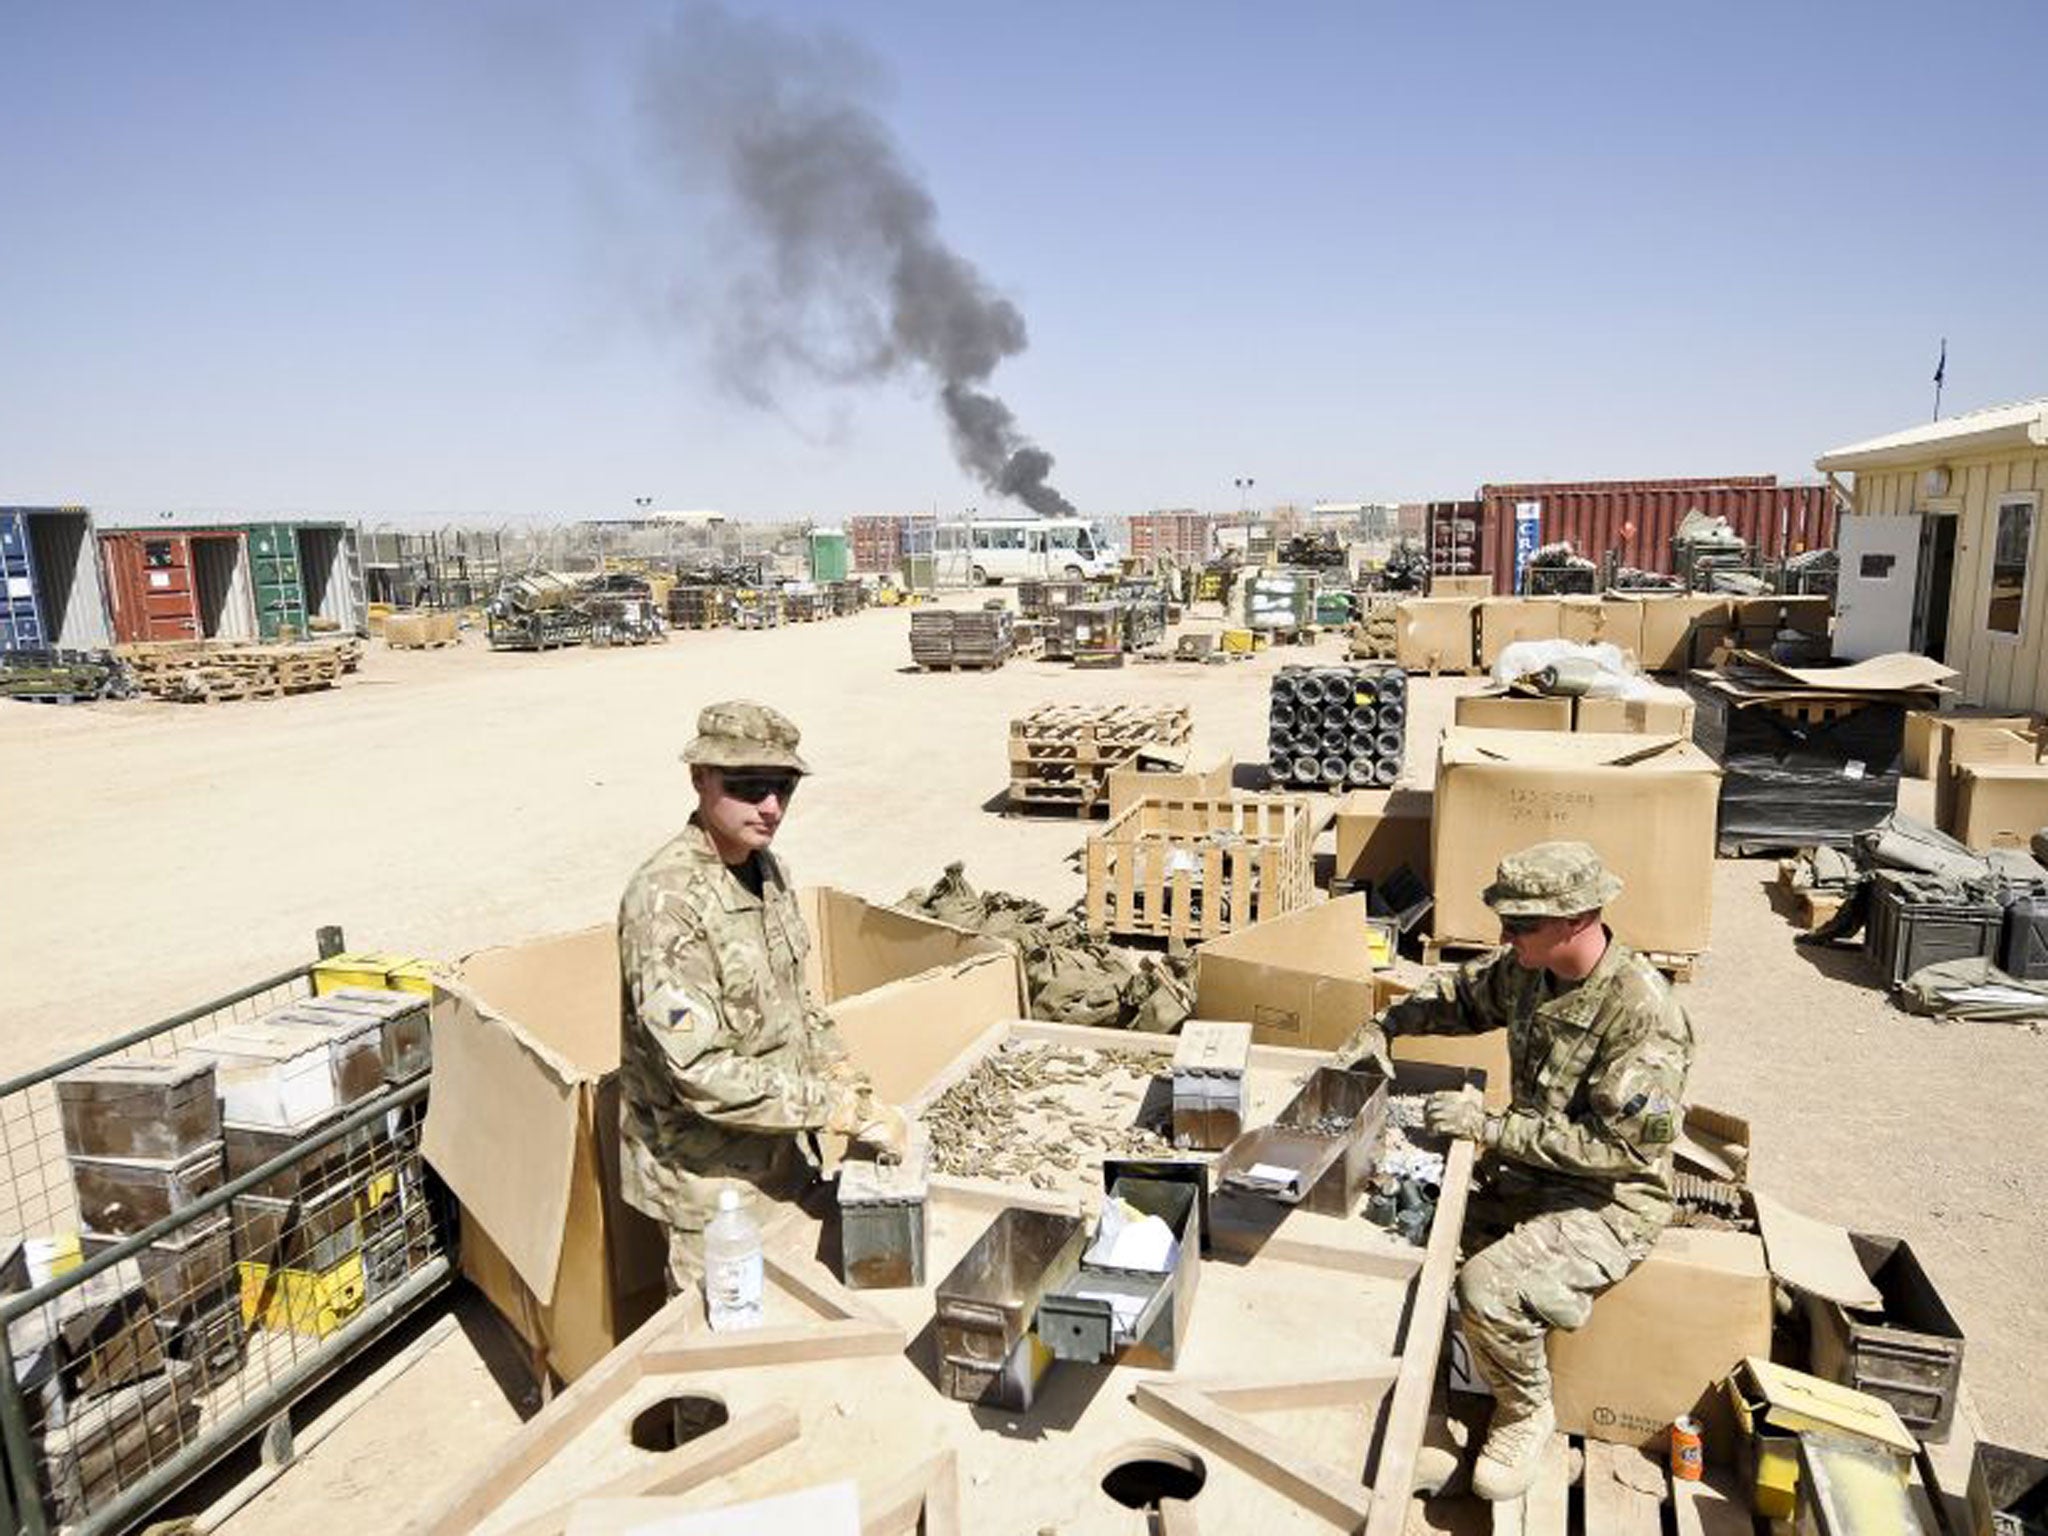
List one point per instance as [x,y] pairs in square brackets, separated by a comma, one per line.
[1244,485]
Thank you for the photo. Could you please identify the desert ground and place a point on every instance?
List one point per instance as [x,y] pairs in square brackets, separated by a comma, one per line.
[440,802]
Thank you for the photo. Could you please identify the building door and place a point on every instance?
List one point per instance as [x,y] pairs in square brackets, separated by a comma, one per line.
[1938,575]
[1876,594]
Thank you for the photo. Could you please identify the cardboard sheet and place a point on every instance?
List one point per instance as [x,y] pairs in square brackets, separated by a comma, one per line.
[1814,1256]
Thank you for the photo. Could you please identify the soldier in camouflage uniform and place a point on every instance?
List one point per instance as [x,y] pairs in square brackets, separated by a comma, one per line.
[1575,1178]
[727,1063]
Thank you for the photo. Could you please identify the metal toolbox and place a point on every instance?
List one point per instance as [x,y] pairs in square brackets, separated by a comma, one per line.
[151,1109]
[104,1333]
[1910,1353]
[193,1289]
[1319,1151]
[249,1147]
[84,1463]
[883,1222]
[121,1196]
[405,1041]
[1109,1315]
[1208,1084]
[355,1047]
[313,1231]
[270,1075]
[987,1351]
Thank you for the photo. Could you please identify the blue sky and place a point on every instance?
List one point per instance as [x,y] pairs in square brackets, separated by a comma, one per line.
[419,260]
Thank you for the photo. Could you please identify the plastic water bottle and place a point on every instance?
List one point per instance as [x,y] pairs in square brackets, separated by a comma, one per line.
[732,1266]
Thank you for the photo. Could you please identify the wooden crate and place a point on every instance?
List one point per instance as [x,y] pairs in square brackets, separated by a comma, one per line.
[1196,868]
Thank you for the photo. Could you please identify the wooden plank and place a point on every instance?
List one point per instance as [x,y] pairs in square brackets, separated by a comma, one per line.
[1615,1505]
[1422,1339]
[732,1445]
[924,1503]
[791,1344]
[1547,1506]
[537,1443]
[1338,1498]
[1713,1506]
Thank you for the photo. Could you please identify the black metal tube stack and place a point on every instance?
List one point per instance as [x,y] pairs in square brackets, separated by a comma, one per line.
[1337,727]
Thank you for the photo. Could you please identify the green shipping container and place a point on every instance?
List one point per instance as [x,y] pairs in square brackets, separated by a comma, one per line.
[828,555]
[274,572]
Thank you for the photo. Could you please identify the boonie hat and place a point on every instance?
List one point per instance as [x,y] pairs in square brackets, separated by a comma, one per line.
[743,734]
[1551,880]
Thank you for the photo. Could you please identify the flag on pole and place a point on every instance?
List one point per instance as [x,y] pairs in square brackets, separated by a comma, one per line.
[1941,367]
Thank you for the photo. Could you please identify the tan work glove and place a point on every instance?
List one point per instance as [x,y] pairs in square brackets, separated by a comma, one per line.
[1367,1045]
[857,1113]
[1461,1113]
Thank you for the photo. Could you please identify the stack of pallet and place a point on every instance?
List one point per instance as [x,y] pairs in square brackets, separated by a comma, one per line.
[1376,635]
[1061,754]
[697,606]
[944,638]
[211,671]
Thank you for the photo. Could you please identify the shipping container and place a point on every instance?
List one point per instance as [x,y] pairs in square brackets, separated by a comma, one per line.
[184,584]
[50,593]
[1181,536]
[1776,520]
[331,576]
[828,554]
[879,543]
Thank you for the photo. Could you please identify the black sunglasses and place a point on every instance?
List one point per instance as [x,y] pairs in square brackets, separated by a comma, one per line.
[756,787]
[1519,927]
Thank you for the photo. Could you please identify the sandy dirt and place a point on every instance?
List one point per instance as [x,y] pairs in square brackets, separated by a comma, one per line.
[440,802]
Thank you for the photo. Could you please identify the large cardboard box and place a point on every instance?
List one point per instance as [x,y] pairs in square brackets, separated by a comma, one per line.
[2000,805]
[1667,629]
[1434,634]
[1666,712]
[1659,1344]
[523,1123]
[1647,803]
[1504,620]
[1307,980]
[1512,712]
[1132,781]
[1615,621]
[1461,586]
[1966,744]
[1382,830]
[1766,616]
[1927,734]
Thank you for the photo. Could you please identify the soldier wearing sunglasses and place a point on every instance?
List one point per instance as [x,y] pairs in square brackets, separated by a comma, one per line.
[728,1065]
[1574,1179]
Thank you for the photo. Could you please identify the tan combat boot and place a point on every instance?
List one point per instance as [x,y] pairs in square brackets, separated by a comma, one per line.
[1513,1451]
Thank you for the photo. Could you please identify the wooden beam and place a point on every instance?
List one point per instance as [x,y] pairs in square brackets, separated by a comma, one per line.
[1614,1505]
[538,1442]
[1329,1492]
[1245,1394]
[1710,1507]
[1422,1341]
[1545,1508]
[794,1344]
[725,1449]
[924,1503]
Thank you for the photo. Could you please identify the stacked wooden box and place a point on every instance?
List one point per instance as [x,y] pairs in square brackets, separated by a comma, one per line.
[1061,754]
[1194,869]
[943,638]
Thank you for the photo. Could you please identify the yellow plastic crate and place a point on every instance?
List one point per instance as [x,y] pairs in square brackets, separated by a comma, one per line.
[361,968]
[306,1301]
[1238,641]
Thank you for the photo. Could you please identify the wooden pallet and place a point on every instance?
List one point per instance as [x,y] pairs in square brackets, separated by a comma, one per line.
[958,666]
[210,672]
[1622,1492]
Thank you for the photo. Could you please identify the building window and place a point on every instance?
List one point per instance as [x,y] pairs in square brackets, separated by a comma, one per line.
[2012,545]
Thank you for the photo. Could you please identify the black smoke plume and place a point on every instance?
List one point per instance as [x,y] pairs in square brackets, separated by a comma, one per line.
[846,276]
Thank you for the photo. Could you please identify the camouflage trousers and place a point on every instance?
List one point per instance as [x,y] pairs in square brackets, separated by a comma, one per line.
[1536,1256]
[784,1176]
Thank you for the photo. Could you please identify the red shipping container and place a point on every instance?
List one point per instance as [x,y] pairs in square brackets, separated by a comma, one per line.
[1777,520]
[192,584]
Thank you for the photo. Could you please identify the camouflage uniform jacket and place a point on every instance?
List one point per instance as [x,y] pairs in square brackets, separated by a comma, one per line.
[1599,1072]
[724,1054]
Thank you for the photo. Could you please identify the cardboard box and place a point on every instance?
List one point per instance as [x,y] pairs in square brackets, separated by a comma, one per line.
[1661,1342]
[1768,615]
[1647,803]
[1667,712]
[1461,586]
[1434,634]
[1382,830]
[1512,712]
[1615,621]
[1927,734]
[1504,620]
[2000,805]
[524,1118]
[1966,745]
[1305,979]
[1132,781]
[1667,628]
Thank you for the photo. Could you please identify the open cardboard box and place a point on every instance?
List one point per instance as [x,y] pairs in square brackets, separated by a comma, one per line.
[1646,803]
[524,1118]
[1307,980]
[1165,773]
